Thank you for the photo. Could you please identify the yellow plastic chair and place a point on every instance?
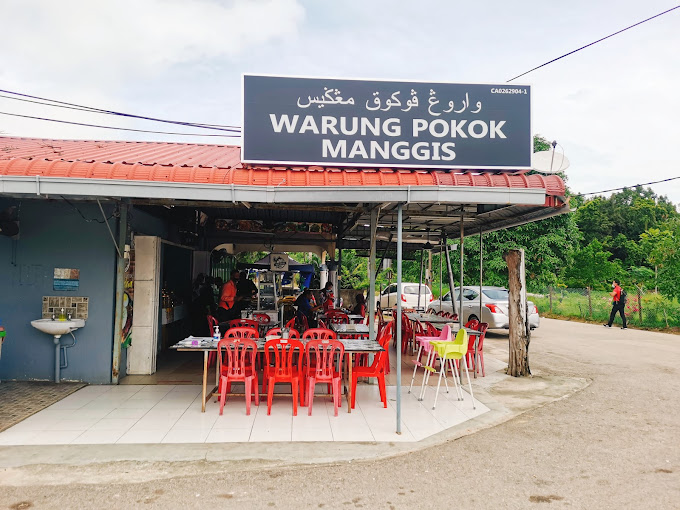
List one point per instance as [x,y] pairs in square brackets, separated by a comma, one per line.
[448,352]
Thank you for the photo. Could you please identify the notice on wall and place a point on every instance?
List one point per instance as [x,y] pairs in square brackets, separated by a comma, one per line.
[66,279]
[332,121]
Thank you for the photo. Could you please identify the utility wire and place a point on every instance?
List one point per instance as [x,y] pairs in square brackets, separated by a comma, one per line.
[63,104]
[595,42]
[625,187]
[117,128]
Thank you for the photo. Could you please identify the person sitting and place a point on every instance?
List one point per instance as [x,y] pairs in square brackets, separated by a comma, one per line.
[305,308]
[327,297]
[360,307]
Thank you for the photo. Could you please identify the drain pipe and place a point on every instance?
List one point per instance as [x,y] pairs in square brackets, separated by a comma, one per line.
[63,350]
[120,275]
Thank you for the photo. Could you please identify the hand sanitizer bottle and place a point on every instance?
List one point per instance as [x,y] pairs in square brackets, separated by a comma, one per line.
[216,334]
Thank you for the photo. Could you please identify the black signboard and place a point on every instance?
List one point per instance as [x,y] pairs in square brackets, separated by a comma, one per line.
[328,121]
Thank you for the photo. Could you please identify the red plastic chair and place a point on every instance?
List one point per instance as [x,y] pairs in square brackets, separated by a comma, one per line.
[430,330]
[322,324]
[319,334]
[320,356]
[212,355]
[262,318]
[470,356]
[279,367]
[376,369]
[292,333]
[244,323]
[236,362]
[302,323]
[248,333]
[291,323]
[338,318]
[406,334]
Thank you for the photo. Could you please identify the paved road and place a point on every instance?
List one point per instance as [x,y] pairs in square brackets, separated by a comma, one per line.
[614,445]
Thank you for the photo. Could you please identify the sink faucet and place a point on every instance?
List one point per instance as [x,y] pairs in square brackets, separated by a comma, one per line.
[68,316]
[53,316]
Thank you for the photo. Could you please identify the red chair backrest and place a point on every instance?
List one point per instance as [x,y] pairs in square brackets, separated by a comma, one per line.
[243,323]
[419,329]
[431,330]
[481,327]
[338,318]
[291,323]
[292,333]
[382,358]
[319,334]
[278,354]
[212,322]
[248,333]
[303,325]
[472,324]
[322,324]
[323,352]
[235,356]
[262,318]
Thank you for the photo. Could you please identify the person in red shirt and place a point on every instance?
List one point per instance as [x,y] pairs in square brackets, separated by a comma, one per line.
[327,297]
[618,305]
[228,308]
[360,307]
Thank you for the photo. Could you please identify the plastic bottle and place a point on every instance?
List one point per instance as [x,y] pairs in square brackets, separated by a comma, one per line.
[62,315]
[216,334]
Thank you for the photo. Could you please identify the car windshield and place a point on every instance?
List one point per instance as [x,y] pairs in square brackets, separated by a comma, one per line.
[413,289]
[496,294]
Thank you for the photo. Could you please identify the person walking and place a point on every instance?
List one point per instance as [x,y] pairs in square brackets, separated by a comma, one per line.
[618,304]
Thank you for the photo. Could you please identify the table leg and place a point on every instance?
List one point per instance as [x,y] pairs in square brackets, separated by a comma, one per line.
[350,362]
[205,379]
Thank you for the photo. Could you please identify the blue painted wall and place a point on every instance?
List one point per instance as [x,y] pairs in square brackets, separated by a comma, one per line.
[53,234]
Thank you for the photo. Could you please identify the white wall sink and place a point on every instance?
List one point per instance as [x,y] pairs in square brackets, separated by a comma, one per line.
[57,327]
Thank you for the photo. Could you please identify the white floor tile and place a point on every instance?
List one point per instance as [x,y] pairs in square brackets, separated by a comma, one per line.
[143,436]
[121,424]
[311,434]
[186,436]
[138,404]
[125,413]
[14,436]
[53,437]
[81,425]
[98,437]
[228,436]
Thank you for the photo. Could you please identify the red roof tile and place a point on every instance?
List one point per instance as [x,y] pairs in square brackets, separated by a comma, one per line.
[221,164]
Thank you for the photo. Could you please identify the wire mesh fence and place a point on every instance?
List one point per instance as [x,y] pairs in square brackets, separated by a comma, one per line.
[644,308]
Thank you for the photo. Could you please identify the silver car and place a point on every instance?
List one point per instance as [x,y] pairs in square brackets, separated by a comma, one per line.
[494,306]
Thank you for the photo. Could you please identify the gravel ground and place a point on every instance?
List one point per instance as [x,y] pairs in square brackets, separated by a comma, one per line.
[613,445]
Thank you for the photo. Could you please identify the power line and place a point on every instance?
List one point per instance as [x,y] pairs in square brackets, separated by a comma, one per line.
[63,104]
[116,128]
[625,187]
[595,42]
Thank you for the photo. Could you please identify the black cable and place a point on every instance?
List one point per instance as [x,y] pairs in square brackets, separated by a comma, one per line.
[625,187]
[595,42]
[63,104]
[116,128]
[83,216]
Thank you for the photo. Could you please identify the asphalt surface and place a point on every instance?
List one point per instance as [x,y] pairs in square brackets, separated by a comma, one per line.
[616,444]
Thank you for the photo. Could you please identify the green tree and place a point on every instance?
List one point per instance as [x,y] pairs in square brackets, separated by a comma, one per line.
[592,268]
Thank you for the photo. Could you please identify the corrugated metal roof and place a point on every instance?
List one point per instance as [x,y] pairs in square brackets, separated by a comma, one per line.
[221,164]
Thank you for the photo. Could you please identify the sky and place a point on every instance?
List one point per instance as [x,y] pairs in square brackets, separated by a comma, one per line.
[613,108]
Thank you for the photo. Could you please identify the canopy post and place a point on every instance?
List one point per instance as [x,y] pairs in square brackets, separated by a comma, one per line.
[481,276]
[338,277]
[462,269]
[449,270]
[120,290]
[398,318]
[420,280]
[441,277]
[371,276]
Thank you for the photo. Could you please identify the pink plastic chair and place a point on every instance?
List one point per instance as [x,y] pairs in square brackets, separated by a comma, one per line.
[425,347]
[320,356]
[236,362]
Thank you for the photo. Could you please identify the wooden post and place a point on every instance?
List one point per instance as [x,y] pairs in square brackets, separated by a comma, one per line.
[519,337]
[550,290]
[590,303]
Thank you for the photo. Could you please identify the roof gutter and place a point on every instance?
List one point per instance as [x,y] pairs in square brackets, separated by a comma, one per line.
[93,188]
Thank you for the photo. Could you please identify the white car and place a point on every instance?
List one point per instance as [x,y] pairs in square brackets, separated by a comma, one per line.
[494,306]
[408,296]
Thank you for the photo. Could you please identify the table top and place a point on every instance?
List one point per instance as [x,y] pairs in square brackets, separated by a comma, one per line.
[350,329]
[208,344]
[428,317]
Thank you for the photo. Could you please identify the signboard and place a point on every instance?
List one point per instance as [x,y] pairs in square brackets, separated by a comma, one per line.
[328,121]
[278,262]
